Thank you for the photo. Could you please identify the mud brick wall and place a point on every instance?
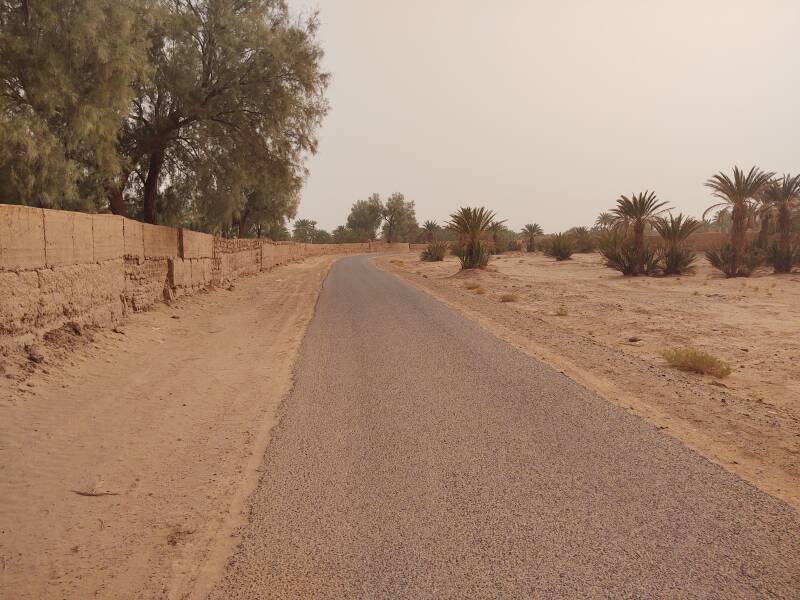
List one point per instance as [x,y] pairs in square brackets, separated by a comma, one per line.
[58,266]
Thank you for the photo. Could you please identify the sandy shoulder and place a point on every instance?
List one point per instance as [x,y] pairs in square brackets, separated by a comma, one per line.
[125,467]
[616,328]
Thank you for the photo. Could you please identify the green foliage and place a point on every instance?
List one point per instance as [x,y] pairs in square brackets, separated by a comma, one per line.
[605,220]
[193,113]
[304,230]
[345,235]
[65,85]
[530,231]
[399,219]
[637,211]
[696,361]
[322,237]
[677,260]
[366,216]
[430,229]
[274,231]
[622,254]
[584,240]
[743,264]
[738,194]
[783,196]
[502,238]
[559,246]
[633,215]
[470,225]
[435,251]
[472,255]
[783,258]
[674,231]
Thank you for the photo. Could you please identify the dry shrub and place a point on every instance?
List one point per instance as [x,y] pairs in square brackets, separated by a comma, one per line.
[434,252]
[559,246]
[509,298]
[480,291]
[722,259]
[696,361]
[472,285]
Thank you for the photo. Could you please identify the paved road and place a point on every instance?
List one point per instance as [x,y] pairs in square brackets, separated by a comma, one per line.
[419,457]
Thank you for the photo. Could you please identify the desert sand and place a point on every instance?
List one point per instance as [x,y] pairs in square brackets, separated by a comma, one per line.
[612,331]
[127,455]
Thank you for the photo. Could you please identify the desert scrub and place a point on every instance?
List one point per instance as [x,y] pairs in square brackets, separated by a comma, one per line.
[621,254]
[559,246]
[509,298]
[472,255]
[434,252]
[696,361]
[743,264]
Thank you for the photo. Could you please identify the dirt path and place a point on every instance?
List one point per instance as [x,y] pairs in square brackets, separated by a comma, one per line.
[170,420]
[418,456]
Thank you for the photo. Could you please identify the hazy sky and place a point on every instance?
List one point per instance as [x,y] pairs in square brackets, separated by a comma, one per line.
[547,111]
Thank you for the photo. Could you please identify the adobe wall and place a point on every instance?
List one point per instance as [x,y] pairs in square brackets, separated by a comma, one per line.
[59,266]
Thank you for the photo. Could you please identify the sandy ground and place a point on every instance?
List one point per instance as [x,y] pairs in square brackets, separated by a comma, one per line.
[167,421]
[749,422]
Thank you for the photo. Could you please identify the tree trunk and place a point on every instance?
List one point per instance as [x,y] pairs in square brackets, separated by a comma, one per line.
[151,185]
[243,224]
[638,243]
[783,261]
[763,233]
[738,236]
[114,193]
[116,202]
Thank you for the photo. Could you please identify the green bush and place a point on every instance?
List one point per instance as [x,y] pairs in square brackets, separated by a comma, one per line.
[722,259]
[621,254]
[585,240]
[783,262]
[435,251]
[472,255]
[559,246]
[678,260]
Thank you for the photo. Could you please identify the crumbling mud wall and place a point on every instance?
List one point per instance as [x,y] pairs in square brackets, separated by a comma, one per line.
[58,267]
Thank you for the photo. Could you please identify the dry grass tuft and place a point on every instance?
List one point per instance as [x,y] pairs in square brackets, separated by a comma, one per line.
[696,361]
[472,285]
[480,291]
[396,261]
[562,311]
[509,298]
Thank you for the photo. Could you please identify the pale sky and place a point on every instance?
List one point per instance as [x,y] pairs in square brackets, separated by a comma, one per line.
[547,111]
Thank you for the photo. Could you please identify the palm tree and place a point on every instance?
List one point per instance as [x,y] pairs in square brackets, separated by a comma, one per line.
[635,214]
[304,230]
[763,210]
[674,232]
[470,225]
[604,220]
[739,194]
[783,195]
[431,228]
[530,231]
[722,220]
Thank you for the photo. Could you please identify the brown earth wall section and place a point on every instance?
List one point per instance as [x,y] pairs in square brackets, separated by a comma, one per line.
[58,266]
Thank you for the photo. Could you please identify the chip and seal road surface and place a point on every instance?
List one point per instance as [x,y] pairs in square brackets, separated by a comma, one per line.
[417,456]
